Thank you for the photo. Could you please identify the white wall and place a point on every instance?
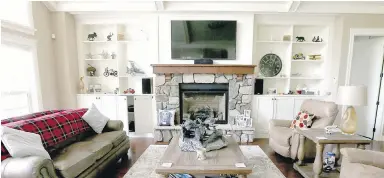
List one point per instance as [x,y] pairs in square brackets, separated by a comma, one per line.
[63,26]
[45,56]
[353,21]
[365,70]
[244,39]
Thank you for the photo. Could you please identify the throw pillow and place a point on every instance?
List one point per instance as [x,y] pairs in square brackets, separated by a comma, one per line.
[166,117]
[21,144]
[95,119]
[302,120]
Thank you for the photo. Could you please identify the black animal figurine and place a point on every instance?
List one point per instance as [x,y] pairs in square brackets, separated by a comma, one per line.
[300,38]
[109,37]
[92,36]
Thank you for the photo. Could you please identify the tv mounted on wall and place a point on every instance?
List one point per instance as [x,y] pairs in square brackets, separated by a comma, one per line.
[203,39]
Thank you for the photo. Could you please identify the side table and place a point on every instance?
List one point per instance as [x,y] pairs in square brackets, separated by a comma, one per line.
[318,136]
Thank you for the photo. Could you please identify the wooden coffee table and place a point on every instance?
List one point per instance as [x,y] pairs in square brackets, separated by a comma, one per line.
[218,162]
[309,170]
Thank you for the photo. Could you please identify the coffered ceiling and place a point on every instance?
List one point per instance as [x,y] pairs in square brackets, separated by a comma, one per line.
[270,6]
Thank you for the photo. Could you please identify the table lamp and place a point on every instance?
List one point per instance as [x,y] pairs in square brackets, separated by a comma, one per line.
[351,96]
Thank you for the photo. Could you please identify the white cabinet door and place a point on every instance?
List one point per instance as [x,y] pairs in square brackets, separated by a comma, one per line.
[297,105]
[143,114]
[122,111]
[86,101]
[265,113]
[284,108]
[109,107]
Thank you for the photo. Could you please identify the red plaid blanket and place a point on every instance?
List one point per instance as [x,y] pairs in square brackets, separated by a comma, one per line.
[53,128]
[29,116]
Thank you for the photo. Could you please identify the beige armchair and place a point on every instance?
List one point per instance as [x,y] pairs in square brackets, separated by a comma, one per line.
[358,163]
[284,141]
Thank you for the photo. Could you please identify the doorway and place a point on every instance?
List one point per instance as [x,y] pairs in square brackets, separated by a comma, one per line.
[365,65]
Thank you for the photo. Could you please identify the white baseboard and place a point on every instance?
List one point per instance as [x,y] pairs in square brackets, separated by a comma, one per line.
[133,134]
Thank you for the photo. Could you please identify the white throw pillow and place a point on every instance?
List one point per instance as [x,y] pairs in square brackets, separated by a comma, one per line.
[95,119]
[21,144]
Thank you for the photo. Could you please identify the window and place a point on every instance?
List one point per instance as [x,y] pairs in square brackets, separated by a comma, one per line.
[18,94]
[17,12]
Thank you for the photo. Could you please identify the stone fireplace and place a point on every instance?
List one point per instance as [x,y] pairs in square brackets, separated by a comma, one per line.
[219,91]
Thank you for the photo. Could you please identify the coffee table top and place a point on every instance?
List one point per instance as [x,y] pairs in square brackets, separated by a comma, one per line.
[319,136]
[218,162]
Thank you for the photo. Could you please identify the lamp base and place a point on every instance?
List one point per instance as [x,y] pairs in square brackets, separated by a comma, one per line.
[349,121]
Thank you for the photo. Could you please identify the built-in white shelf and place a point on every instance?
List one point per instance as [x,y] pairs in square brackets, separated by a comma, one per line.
[93,77]
[277,42]
[280,39]
[310,42]
[272,77]
[306,78]
[99,59]
[113,42]
[123,76]
[314,61]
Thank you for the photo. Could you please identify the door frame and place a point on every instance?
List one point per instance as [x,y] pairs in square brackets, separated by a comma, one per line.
[362,32]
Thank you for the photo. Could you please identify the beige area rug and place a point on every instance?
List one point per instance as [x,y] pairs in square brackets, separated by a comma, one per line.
[145,166]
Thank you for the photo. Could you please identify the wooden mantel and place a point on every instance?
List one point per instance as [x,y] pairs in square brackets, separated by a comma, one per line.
[202,69]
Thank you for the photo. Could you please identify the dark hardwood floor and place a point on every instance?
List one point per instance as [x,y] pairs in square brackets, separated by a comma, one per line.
[139,145]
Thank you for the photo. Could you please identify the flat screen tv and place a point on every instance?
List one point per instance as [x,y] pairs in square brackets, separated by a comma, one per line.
[203,39]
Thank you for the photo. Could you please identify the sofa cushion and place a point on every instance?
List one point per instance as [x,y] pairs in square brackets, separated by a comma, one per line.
[71,162]
[115,137]
[281,135]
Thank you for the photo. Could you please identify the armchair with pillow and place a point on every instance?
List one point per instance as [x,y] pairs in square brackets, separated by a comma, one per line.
[284,141]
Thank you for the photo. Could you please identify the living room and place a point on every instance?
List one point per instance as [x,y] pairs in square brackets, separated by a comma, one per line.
[192,89]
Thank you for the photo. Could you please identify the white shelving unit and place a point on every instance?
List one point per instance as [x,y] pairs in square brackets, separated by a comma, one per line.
[269,39]
[129,42]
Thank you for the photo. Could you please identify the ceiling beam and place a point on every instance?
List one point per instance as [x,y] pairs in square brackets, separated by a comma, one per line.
[159,5]
[51,5]
[293,6]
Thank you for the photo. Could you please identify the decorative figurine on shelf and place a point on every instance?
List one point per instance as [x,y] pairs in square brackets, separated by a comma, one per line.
[131,90]
[113,55]
[109,72]
[91,70]
[298,56]
[300,39]
[116,91]
[109,37]
[314,57]
[133,69]
[92,36]
[89,56]
[104,54]
[314,39]
[81,85]
[287,38]
[329,162]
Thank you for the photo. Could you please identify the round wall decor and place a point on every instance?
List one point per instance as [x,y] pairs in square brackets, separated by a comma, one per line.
[270,65]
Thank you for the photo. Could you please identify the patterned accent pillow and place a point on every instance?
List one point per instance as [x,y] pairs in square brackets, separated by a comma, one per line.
[302,120]
[166,117]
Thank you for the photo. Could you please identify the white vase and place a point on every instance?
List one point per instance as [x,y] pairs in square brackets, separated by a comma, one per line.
[81,85]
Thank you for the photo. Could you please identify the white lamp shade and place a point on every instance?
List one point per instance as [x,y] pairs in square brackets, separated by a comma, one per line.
[352,95]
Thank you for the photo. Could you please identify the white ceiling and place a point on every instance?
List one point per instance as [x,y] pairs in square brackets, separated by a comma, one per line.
[271,6]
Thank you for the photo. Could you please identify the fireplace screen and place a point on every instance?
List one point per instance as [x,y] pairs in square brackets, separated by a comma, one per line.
[202,101]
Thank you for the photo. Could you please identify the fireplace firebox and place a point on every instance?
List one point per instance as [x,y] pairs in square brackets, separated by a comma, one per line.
[204,100]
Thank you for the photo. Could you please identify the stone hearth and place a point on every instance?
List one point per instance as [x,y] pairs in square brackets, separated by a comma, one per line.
[240,91]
